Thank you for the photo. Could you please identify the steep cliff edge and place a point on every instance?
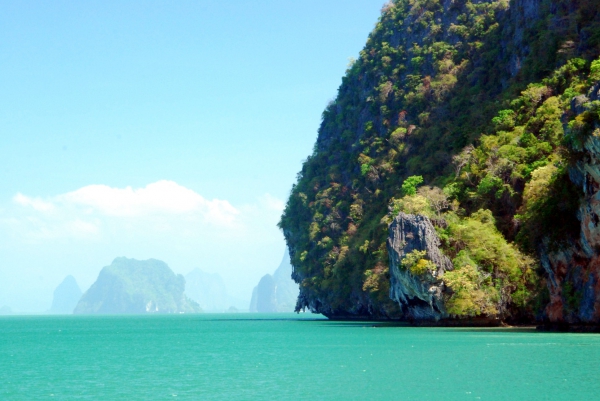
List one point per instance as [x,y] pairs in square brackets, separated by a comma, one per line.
[574,271]
[488,104]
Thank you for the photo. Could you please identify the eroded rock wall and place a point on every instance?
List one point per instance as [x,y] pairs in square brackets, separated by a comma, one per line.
[420,296]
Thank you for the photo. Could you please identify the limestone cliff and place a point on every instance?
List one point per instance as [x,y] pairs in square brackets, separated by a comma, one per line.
[574,270]
[451,177]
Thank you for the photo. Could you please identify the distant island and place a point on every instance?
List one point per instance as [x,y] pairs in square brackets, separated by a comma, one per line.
[277,292]
[6,310]
[66,296]
[130,286]
[210,291]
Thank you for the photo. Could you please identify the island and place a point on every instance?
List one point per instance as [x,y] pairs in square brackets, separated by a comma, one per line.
[130,286]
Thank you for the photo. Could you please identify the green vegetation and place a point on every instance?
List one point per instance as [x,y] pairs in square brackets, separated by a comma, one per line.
[417,264]
[494,268]
[435,99]
[409,186]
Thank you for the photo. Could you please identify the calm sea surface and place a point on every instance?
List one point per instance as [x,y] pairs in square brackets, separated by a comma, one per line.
[286,357]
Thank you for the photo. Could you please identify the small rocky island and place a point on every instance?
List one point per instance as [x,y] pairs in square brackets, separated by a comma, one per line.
[277,292]
[130,286]
[66,296]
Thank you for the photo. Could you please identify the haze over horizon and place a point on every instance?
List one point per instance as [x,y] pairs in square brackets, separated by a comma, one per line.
[159,130]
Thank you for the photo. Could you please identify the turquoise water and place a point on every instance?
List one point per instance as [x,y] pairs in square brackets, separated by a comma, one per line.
[284,357]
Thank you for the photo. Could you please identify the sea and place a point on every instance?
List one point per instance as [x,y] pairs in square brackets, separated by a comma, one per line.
[286,357]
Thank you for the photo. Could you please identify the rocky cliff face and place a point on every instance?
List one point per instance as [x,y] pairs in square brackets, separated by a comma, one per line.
[420,296]
[574,271]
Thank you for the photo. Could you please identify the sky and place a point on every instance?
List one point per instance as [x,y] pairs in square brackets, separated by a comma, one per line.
[159,129]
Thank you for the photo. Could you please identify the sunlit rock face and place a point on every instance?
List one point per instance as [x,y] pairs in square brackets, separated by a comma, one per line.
[129,286]
[420,296]
[574,271]
[66,296]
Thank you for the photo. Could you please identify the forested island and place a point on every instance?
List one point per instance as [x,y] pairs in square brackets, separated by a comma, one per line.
[130,286]
[455,178]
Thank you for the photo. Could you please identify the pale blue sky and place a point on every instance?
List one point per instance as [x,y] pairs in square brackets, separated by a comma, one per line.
[223,98]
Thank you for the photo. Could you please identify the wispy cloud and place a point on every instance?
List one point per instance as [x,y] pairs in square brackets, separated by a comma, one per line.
[166,197]
[161,206]
[162,197]
[36,203]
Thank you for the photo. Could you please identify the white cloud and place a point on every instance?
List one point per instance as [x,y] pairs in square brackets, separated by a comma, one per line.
[160,211]
[159,198]
[37,204]
[161,217]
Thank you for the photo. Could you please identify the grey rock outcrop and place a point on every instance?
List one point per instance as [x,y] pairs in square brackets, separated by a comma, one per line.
[420,296]
[66,296]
